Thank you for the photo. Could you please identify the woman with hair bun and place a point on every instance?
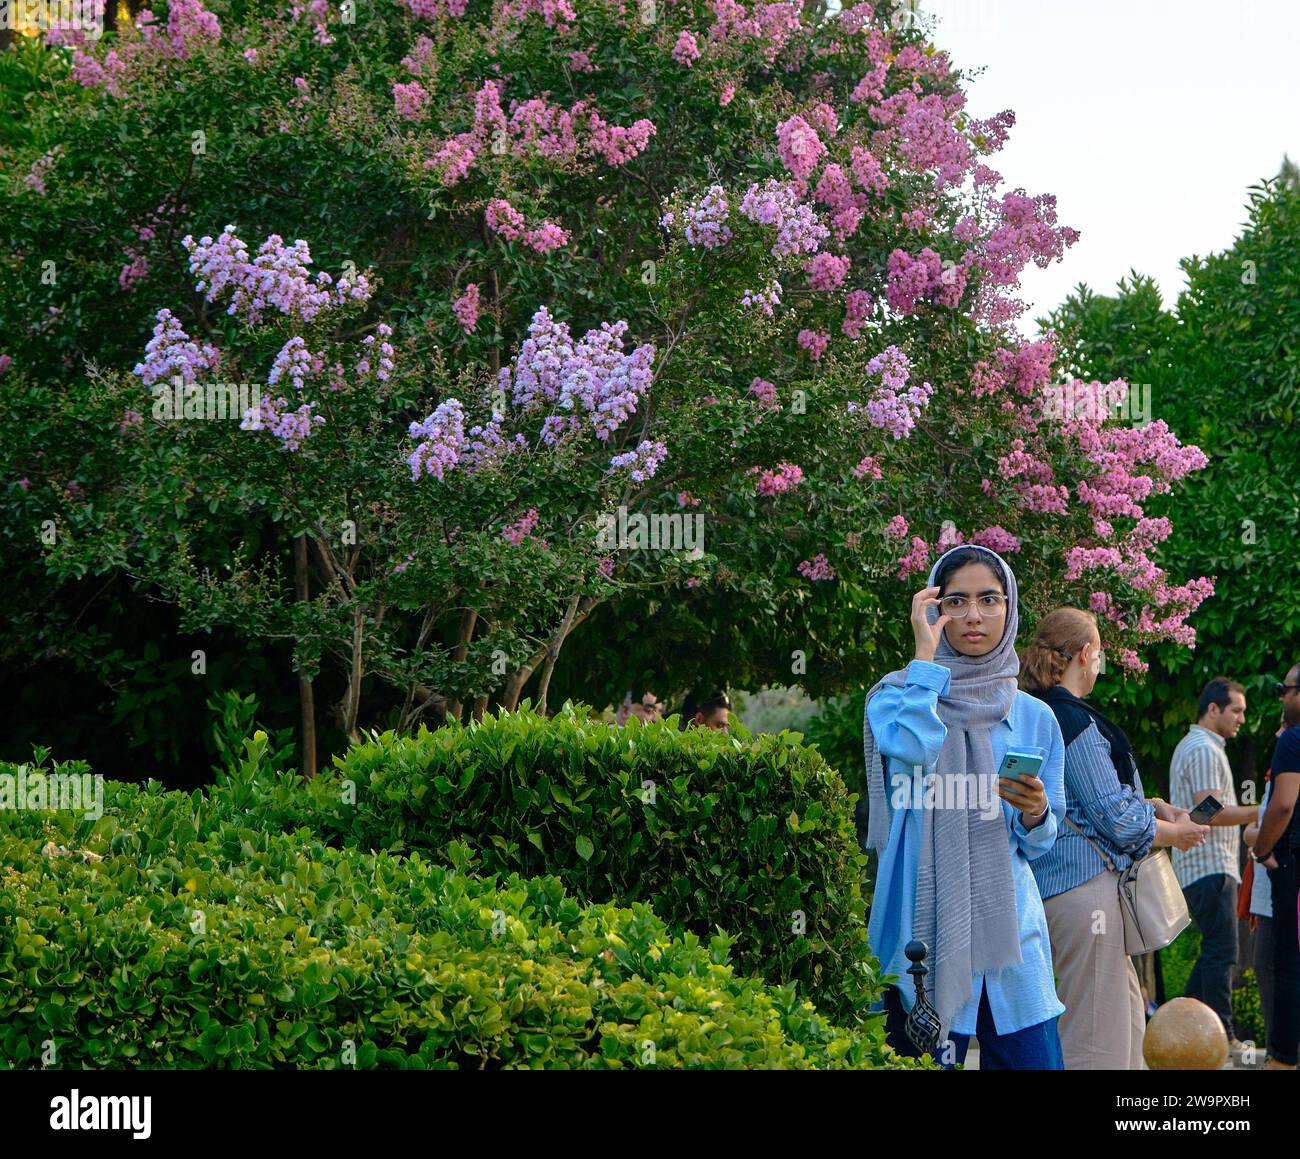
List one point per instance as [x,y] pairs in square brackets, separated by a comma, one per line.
[1104,1019]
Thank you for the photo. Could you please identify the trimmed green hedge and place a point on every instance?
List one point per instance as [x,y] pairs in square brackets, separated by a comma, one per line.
[754,836]
[203,940]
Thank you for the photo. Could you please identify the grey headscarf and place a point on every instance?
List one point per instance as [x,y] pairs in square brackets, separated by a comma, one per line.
[965,909]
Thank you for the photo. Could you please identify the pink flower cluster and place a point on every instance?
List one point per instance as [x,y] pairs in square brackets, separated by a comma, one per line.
[924,133]
[826,271]
[686,51]
[737,26]
[997,539]
[924,276]
[34,179]
[817,568]
[277,277]
[466,308]
[786,477]
[92,73]
[556,13]
[800,148]
[411,99]
[538,128]
[1025,368]
[435,9]
[515,533]
[188,25]
[815,342]
[138,266]
[764,391]
[858,305]
[868,468]
[171,352]
[504,219]
[917,559]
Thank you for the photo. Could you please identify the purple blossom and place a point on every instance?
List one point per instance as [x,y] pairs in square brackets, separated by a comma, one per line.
[643,462]
[277,277]
[443,440]
[776,203]
[171,352]
[592,378]
[706,220]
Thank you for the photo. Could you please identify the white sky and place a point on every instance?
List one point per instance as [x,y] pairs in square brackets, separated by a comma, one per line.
[1147,118]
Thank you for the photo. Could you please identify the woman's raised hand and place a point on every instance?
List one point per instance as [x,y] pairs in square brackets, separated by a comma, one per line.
[927,635]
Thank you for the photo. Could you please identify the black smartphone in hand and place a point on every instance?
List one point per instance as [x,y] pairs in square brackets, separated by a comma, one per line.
[1205,812]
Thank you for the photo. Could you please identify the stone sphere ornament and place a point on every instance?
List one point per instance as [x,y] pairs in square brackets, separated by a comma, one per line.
[1185,1034]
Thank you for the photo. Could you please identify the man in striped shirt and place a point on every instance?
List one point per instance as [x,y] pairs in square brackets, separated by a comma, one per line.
[1210,873]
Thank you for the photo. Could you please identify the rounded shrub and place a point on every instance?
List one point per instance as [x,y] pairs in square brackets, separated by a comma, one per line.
[751,835]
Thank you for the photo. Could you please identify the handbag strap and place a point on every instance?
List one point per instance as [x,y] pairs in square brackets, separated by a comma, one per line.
[1101,852]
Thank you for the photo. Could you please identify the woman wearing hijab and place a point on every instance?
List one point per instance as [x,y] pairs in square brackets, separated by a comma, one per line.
[1106,814]
[954,872]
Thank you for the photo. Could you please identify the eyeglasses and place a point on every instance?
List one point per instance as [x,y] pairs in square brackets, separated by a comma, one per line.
[989,604]
[1282,688]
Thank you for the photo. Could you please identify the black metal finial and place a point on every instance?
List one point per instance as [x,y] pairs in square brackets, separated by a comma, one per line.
[922,1023]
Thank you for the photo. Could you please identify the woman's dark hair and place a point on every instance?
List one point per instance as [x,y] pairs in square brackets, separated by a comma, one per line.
[960,558]
[707,705]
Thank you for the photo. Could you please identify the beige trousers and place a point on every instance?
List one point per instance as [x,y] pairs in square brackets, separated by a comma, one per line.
[1104,1019]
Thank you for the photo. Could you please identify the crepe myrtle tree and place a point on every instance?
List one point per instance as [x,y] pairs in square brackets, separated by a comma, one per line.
[724,262]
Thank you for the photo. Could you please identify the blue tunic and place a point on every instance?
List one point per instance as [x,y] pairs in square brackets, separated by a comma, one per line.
[905,723]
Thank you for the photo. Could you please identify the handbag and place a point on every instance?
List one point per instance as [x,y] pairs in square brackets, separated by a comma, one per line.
[1150,899]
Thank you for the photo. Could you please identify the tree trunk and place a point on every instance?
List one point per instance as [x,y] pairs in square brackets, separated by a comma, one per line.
[306,695]
[553,653]
[352,701]
[468,619]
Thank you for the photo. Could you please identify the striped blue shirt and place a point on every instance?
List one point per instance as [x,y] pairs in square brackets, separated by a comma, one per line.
[909,734]
[1113,815]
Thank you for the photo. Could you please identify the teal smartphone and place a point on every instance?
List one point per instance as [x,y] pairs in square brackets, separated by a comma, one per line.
[1017,765]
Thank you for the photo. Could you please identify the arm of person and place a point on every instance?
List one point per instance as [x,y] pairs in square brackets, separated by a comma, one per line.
[1283,788]
[1281,805]
[905,719]
[1036,833]
[1229,814]
[1114,810]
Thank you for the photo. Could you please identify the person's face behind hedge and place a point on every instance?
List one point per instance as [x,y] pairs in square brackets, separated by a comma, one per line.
[718,720]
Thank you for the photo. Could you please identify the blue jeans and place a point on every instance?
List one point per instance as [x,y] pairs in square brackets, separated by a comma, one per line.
[1036,1047]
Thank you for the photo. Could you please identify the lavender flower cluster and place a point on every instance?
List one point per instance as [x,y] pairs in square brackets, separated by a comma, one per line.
[895,405]
[593,377]
[172,352]
[277,277]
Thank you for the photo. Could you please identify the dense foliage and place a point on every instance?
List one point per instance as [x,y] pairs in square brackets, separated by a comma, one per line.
[1222,367]
[503,271]
[214,929]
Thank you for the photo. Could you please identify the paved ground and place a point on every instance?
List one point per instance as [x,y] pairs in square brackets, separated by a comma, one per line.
[1234,1063]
